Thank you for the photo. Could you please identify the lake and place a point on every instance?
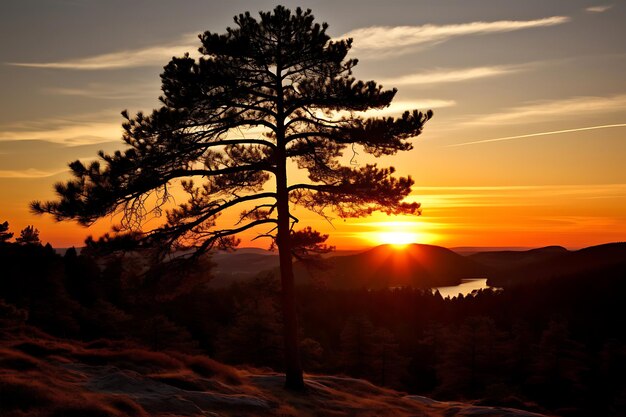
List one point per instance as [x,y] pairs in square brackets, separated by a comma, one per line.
[465,287]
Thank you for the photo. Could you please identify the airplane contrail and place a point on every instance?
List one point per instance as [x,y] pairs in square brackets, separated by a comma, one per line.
[554,132]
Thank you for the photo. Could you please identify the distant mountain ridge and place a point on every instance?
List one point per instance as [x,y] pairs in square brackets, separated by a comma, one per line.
[422,266]
[240,265]
[552,262]
[511,259]
[416,265]
[471,250]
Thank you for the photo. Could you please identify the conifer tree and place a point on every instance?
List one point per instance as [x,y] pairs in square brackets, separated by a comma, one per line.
[28,236]
[5,235]
[269,93]
[358,346]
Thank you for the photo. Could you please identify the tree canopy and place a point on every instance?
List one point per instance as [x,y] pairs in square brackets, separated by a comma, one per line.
[269,93]
[28,236]
[5,235]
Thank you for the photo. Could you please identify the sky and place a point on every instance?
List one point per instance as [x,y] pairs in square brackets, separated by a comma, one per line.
[527,147]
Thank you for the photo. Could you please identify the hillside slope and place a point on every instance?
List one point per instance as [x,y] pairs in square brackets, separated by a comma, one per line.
[512,259]
[552,263]
[240,265]
[416,265]
[41,376]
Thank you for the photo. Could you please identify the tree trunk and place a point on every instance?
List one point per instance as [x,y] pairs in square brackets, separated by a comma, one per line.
[293,368]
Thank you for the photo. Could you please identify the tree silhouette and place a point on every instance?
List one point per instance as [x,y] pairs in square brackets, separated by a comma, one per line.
[257,324]
[358,346]
[5,235]
[266,94]
[28,236]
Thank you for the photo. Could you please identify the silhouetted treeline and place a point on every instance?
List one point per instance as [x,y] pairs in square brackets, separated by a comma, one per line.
[556,345]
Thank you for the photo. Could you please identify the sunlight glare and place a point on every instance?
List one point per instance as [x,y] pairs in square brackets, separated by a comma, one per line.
[397,238]
[397,233]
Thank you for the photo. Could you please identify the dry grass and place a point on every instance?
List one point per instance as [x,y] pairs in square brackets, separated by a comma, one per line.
[139,360]
[19,394]
[209,368]
[181,380]
[43,347]
[53,378]
[23,395]
[11,359]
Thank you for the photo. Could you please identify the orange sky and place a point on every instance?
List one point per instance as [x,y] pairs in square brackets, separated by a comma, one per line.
[527,147]
[511,216]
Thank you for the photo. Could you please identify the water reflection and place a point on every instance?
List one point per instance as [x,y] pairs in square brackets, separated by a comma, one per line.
[466,287]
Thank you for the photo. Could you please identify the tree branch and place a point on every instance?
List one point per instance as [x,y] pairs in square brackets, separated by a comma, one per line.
[213,237]
[178,173]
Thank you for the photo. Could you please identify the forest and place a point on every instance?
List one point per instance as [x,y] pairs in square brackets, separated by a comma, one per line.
[551,345]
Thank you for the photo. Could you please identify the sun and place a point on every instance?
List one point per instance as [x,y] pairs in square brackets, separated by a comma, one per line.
[398,234]
[397,238]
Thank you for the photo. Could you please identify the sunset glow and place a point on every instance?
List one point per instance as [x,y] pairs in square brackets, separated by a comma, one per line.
[397,238]
[396,233]
[520,151]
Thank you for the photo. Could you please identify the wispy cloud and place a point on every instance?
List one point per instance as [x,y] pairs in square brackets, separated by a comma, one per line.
[532,135]
[448,198]
[450,75]
[378,39]
[41,159]
[399,107]
[599,9]
[28,173]
[517,215]
[107,92]
[143,57]
[549,110]
[388,40]
[73,130]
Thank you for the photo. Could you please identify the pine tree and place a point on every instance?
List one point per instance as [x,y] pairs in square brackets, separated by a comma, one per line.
[5,235]
[28,236]
[358,346]
[257,324]
[266,94]
[389,366]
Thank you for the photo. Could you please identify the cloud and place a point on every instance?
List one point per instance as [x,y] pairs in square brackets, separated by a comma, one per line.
[532,135]
[28,173]
[73,130]
[450,75]
[470,211]
[399,107]
[396,108]
[549,110]
[40,159]
[377,39]
[442,199]
[144,57]
[107,92]
[383,41]
[599,9]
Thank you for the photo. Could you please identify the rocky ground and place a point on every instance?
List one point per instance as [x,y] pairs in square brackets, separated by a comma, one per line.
[43,376]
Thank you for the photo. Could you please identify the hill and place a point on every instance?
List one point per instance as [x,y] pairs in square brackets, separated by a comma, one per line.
[471,250]
[49,377]
[553,263]
[240,265]
[515,259]
[415,265]
[422,266]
